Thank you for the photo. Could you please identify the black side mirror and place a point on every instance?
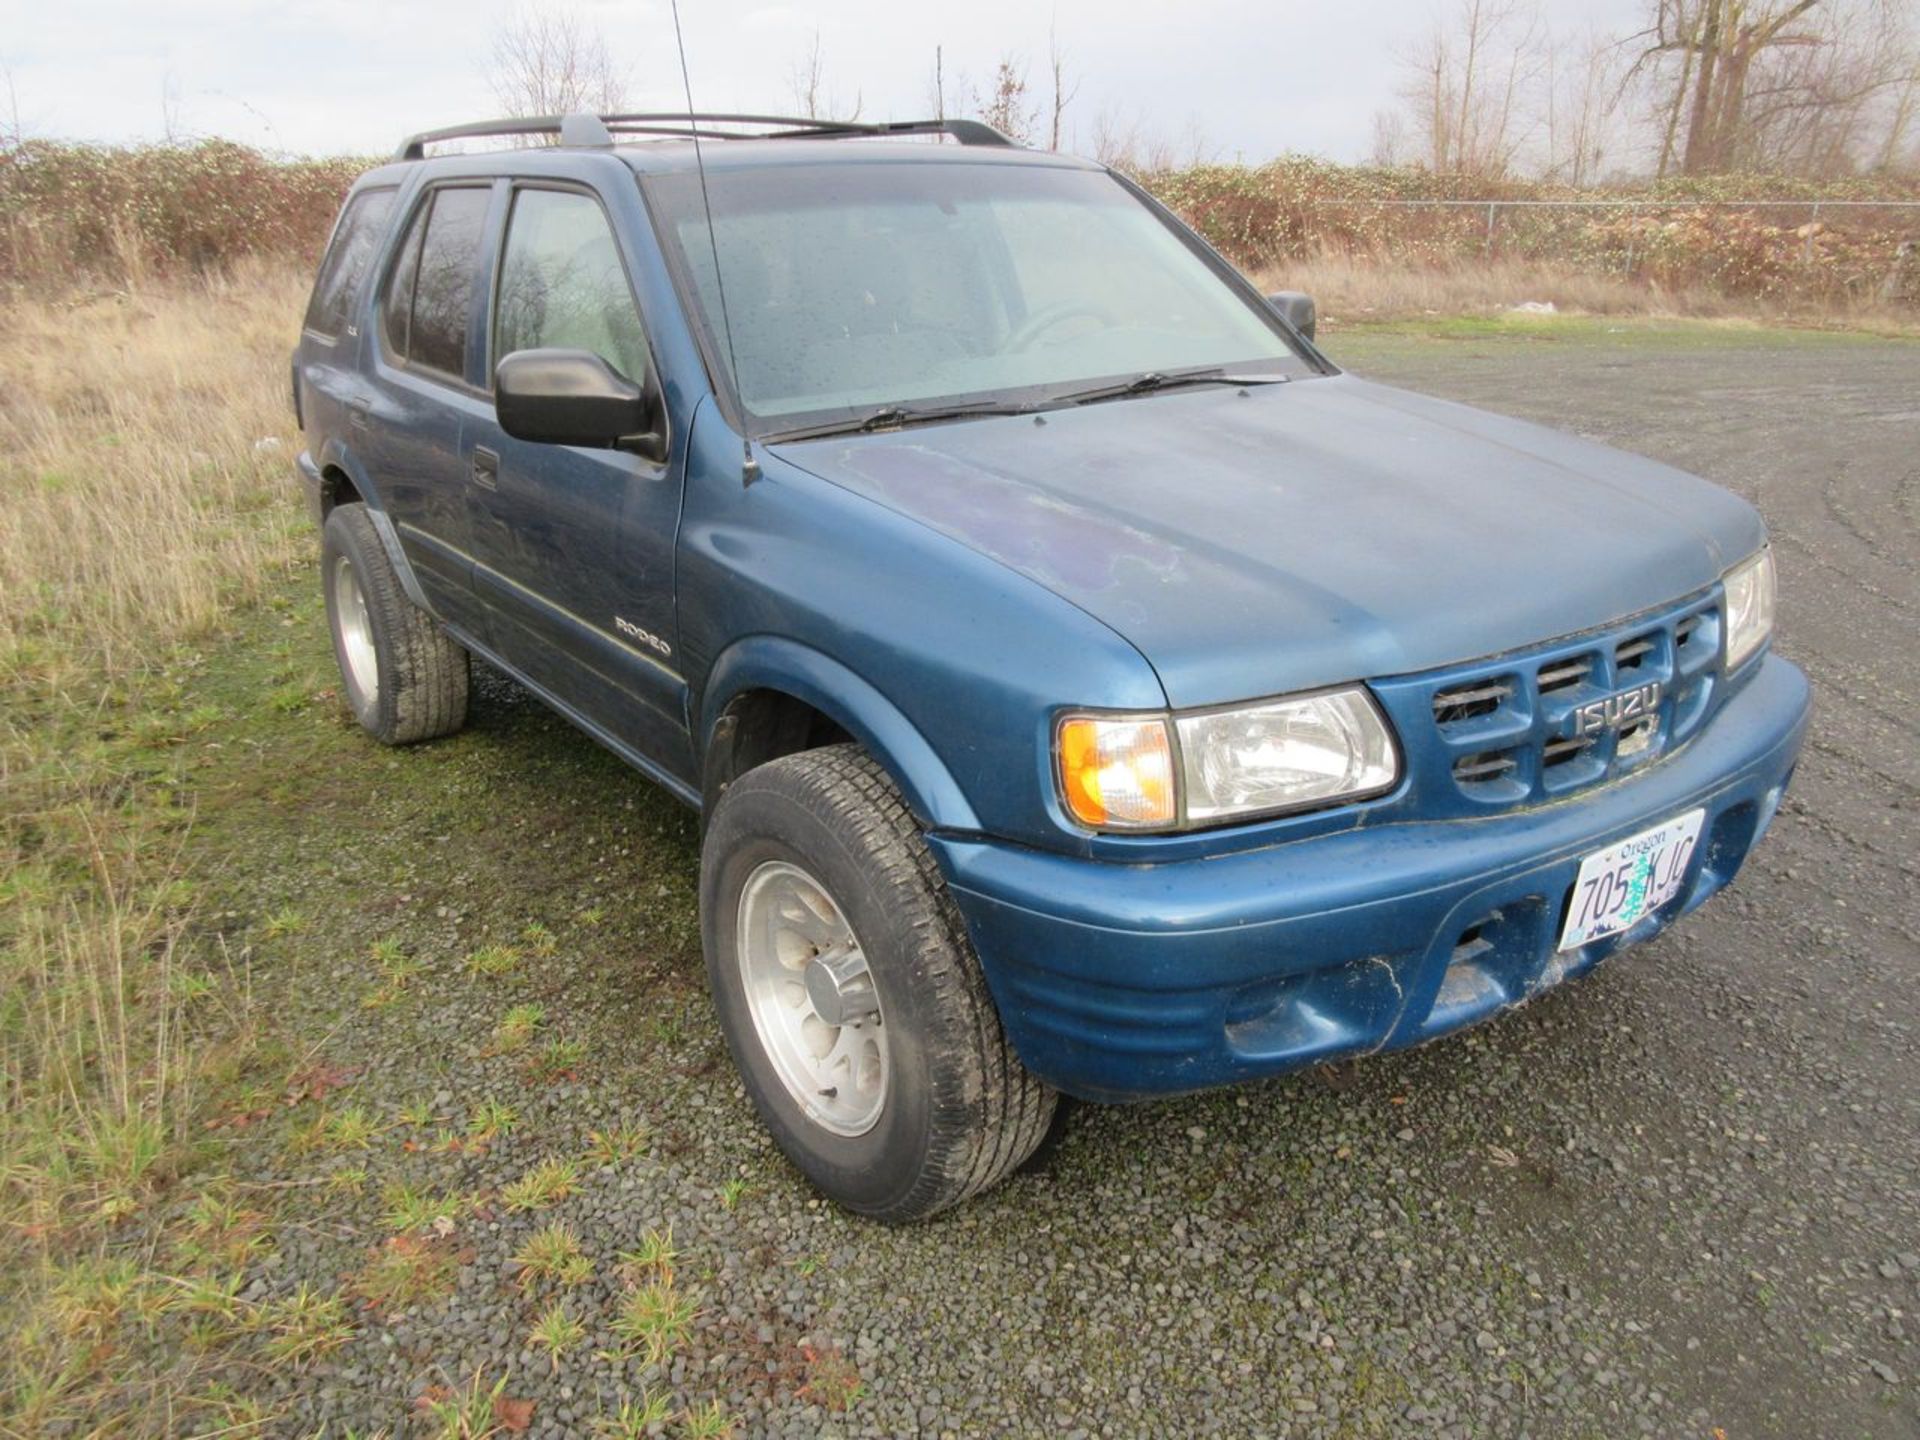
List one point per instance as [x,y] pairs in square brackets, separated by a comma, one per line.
[573,397]
[1297,308]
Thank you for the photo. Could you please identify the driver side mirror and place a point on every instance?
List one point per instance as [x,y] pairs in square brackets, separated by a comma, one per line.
[573,397]
[1296,308]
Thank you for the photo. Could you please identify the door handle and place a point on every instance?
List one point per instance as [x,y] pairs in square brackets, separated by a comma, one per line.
[486,468]
[358,412]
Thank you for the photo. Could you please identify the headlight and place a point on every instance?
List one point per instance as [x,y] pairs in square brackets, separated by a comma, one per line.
[1284,755]
[1749,607]
[1118,772]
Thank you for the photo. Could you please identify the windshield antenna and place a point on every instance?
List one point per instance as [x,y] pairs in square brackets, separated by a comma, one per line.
[749,467]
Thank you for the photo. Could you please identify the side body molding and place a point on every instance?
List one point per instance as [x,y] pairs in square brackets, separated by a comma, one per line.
[772,662]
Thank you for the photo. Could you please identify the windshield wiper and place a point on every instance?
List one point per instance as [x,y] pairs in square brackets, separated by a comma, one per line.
[1155,380]
[897,417]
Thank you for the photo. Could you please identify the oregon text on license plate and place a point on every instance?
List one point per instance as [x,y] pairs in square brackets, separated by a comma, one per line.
[1619,885]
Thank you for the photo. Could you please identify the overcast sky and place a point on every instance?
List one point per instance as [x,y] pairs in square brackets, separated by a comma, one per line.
[353,76]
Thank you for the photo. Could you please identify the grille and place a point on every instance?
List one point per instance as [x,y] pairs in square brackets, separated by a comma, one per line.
[1501,732]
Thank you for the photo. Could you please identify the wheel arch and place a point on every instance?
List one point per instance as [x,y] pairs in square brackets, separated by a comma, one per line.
[343,480]
[768,696]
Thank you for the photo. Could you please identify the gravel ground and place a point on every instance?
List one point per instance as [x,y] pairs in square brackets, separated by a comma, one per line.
[1680,1198]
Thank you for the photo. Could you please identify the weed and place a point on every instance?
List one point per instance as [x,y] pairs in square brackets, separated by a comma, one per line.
[349,1180]
[707,1422]
[558,1331]
[417,1113]
[490,1118]
[89,1296]
[548,1183]
[517,1027]
[492,961]
[539,940]
[593,917]
[553,1253]
[407,1270]
[303,1326]
[656,1318]
[609,1147]
[634,1419]
[350,1129]
[470,1412]
[409,1209]
[832,1381]
[282,923]
[559,1058]
[397,971]
[653,1256]
[733,1191]
[220,1231]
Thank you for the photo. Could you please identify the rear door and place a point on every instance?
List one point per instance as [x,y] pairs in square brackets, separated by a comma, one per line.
[573,548]
[425,388]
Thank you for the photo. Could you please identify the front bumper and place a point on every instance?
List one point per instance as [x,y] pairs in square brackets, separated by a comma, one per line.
[1120,981]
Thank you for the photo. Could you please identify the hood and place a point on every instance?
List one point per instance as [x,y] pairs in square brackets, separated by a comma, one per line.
[1309,533]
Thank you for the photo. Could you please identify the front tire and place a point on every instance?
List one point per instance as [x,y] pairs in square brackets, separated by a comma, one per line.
[850,996]
[403,678]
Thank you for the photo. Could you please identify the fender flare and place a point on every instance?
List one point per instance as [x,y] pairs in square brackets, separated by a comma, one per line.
[773,662]
[336,456]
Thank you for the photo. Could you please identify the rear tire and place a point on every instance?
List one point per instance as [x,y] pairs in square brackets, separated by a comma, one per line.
[825,834]
[404,680]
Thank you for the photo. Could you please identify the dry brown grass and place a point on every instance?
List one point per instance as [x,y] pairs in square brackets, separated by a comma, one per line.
[1353,289]
[137,506]
[145,449]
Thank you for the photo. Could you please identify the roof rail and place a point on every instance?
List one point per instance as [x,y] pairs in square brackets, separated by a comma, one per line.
[597,131]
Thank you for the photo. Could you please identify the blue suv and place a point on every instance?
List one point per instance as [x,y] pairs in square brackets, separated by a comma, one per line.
[1088,690]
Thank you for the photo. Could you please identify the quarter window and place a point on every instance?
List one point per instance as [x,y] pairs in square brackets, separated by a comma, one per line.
[430,295]
[355,239]
[562,283]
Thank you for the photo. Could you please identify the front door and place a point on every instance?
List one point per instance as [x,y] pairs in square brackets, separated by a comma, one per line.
[573,548]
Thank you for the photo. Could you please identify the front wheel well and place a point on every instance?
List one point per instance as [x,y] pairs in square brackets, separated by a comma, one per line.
[759,726]
[336,488]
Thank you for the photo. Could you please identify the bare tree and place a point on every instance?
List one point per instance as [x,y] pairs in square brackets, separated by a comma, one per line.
[937,84]
[1389,138]
[1466,86]
[1583,119]
[549,61]
[1809,86]
[808,84]
[1063,92]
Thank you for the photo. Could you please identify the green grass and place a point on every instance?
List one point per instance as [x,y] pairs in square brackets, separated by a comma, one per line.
[548,1183]
[556,1331]
[1627,331]
[655,1318]
[409,1209]
[553,1253]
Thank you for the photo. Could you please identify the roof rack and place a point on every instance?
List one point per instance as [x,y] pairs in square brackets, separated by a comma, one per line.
[598,131]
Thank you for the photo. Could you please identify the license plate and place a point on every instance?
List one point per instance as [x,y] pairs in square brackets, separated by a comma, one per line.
[1620,885]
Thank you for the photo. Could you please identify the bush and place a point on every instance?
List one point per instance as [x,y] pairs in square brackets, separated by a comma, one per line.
[116,214]
[1674,234]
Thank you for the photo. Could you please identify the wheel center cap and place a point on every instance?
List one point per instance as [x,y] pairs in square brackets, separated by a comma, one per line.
[839,987]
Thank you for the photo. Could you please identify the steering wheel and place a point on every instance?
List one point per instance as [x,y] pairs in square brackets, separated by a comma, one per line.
[1048,316]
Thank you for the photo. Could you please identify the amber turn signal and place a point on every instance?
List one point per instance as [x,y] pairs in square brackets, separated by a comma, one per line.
[1116,773]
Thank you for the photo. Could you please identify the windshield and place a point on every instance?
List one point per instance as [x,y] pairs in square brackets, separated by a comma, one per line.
[857,286]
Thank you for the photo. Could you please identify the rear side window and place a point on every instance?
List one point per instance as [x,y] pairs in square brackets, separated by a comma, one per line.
[355,240]
[562,283]
[430,295]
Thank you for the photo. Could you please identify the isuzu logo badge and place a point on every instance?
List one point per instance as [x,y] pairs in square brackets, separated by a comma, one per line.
[1616,712]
